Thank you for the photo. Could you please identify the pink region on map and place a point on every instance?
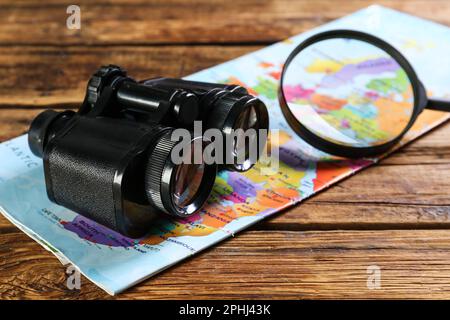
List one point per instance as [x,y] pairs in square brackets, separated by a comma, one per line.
[296,92]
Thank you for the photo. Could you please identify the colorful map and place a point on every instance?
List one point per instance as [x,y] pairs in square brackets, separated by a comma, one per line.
[349,92]
[115,262]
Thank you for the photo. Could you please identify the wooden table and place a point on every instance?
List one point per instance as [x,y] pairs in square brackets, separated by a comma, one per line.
[395,215]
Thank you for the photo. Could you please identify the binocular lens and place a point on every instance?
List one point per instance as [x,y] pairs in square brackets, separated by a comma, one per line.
[179,187]
[244,120]
[188,179]
[247,119]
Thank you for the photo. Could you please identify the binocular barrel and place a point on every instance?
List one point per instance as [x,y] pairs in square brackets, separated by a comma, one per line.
[181,105]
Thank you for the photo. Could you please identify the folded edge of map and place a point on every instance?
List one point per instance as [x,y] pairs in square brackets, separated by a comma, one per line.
[115,262]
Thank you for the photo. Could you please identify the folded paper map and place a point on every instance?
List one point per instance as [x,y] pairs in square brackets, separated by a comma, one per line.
[115,262]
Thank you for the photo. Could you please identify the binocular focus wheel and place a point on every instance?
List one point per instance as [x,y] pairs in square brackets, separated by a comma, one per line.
[98,81]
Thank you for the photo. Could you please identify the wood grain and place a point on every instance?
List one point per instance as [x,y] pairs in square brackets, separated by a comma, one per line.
[261,265]
[394,215]
[179,21]
[47,76]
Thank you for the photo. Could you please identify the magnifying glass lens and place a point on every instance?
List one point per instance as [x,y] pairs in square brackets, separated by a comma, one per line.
[348,92]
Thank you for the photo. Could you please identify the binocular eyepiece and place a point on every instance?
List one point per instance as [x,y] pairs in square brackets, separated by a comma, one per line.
[115,162]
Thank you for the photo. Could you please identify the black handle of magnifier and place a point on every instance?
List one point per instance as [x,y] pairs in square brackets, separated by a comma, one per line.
[441,105]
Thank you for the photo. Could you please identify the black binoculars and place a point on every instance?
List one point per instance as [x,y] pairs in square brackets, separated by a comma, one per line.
[111,160]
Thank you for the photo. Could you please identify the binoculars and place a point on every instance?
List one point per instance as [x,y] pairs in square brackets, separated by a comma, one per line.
[112,160]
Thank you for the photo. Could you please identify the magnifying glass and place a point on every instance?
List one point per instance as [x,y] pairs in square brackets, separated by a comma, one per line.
[351,94]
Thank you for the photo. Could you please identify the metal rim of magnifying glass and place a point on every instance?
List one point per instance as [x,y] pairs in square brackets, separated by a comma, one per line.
[334,148]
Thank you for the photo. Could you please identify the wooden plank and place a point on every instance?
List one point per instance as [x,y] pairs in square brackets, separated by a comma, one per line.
[179,21]
[35,77]
[264,265]
[14,122]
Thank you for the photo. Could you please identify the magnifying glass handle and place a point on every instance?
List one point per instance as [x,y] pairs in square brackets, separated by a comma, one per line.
[441,105]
